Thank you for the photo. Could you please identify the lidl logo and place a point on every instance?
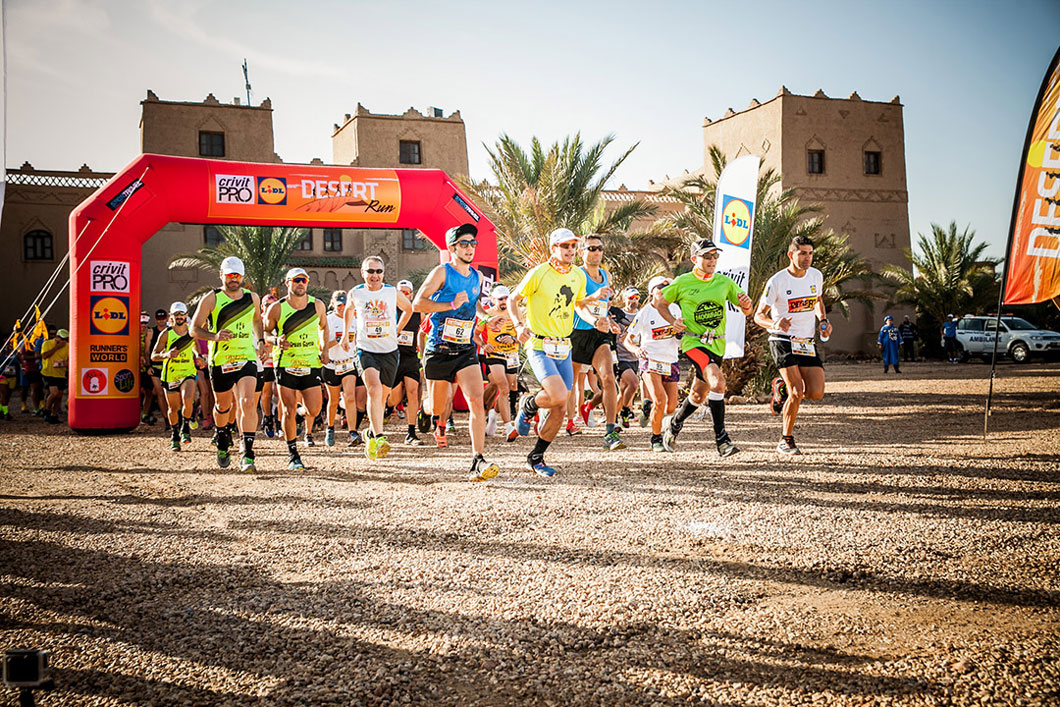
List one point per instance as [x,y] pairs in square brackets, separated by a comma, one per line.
[272,190]
[736,216]
[109,315]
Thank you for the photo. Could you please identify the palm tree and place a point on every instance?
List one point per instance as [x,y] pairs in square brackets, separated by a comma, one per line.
[264,251]
[537,192]
[951,275]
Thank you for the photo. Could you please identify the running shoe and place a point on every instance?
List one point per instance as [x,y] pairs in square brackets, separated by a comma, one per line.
[645,414]
[439,437]
[586,411]
[787,447]
[669,439]
[522,420]
[309,440]
[174,445]
[295,463]
[613,442]
[193,423]
[329,437]
[423,422]
[510,433]
[248,465]
[355,439]
[625,416]
[726,448]
[412,440]
[573,429]
[482,470]
[541,468]
[185,437]
[780,394]
[223,458]
[657,446]
[376,448]
[267,427]
[491,423]
[213,439]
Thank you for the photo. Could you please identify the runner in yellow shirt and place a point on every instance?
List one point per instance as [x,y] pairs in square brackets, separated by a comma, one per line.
[55,360]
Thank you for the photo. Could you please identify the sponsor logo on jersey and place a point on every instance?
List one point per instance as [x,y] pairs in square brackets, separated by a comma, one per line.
[801,304]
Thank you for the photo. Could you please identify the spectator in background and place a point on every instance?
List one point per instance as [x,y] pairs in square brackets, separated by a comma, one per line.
[909,334]
[55,358]
[32,383]
[949,339]
[889,340]
[8,379]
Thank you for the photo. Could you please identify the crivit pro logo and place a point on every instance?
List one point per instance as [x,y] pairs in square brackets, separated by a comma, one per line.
[736,221]
[272,190]
[93,381]
[108,276]
[233,189]
[109,315]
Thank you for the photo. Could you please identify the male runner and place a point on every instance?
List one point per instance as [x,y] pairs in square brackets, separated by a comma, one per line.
[626,368]
[702,295]
[591,340]
[340,371]
[301,325]
[551,292]
[175,350]
[408,375]
[655,342]
[495,336]
[236,343]
[55,364]
[373,304]
[450,298]
[267,375]
[789,308]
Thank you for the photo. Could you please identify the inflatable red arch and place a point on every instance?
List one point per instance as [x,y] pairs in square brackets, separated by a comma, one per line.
[108,229]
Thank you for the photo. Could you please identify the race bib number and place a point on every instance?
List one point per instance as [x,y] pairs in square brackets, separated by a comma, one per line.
[345,366]
[60,364]
[556,348]
[377,328]
[803,347]
[406,338]
[512,358]
[597,308]
[232,367]
[663,369]
[457,331]
[298,371]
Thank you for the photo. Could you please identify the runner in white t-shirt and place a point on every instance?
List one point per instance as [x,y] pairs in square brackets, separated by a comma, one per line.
[340,372]
[654,340]
[789,309]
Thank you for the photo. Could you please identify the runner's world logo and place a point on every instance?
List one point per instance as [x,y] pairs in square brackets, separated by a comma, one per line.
[233,189]
[109,276]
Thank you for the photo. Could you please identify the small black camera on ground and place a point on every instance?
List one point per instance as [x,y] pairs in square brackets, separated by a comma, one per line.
[25,668]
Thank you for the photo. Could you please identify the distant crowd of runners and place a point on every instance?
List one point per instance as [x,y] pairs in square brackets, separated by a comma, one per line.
[380,351]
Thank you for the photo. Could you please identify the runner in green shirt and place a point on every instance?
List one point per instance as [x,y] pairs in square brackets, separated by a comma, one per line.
[702,295]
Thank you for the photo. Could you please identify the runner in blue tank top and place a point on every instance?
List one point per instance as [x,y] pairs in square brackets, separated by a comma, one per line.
[450,297]
[592,342]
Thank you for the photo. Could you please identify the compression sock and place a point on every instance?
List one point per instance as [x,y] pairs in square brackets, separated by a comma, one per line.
[248,444]
[716,402]
[684,412]
[292,447]
[412,430]
[360,418]
[530,406]
[513,401]
[538,453]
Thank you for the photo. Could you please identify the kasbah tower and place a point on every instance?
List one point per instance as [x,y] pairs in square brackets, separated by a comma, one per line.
[847,156]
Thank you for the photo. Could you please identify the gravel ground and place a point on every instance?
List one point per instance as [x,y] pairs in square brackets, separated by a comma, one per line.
[902,560]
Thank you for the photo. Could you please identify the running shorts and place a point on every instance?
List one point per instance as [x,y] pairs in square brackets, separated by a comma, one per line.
[784,358]
[444,365]
[675,371]
[55,382]
[701,358]
[544,366]
[174,386]
[408,367]
[385,363]
[223,381]
[305,381]
[585,342]
[334,378]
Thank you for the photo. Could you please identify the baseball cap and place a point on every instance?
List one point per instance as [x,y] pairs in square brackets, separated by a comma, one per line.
[405,284]
[63,334]
[454,233]
[630,291]
[295,272]
[160,313]
[949,316]
[145,318]
[703,245]
[338,296]
[499,291]
[561,235]
[656,282]
[178,307]
[888,318]
[231,265]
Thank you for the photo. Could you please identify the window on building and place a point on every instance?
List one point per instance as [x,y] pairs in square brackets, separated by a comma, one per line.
[307,242]
[872,163]
[412,240]
[211,144]
[333,240]
[815,161]
[38,245]
[212,237]
[410,152]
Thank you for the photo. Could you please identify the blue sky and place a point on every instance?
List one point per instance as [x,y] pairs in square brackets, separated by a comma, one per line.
[967,73]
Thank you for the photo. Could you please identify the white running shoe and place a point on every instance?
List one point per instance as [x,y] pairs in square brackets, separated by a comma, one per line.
[491,423]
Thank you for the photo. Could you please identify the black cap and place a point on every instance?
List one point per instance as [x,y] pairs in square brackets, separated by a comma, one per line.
[160,313]
[454,233]
[703,245]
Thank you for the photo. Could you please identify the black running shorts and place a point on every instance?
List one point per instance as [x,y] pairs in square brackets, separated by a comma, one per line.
[174,386]
[223,381]
[784,358]
[585,342]
[701,357]
[306,381]
[385,363]
[408,366]
[444,365]
[334,378]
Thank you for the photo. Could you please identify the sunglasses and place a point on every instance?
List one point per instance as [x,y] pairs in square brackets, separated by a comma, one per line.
[567,246]
[710,256]
[373,271]
[467,244]
[161,316]
[594,248]
[632,296]
[232,275]
[299,280]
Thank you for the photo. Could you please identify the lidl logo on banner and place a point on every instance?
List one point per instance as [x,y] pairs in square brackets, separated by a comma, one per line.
[109,315]
[272,190]
[736,215]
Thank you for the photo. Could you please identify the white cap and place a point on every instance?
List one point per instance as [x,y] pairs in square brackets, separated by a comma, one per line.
[178,307]
[656,281]
[630,291]
[232,264]
[499,291]
[404,284]
[561,235]
[949,316]
[295,272]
